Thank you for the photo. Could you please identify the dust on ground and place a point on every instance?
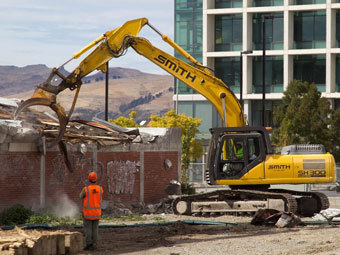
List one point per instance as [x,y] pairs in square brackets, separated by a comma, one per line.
[183,239]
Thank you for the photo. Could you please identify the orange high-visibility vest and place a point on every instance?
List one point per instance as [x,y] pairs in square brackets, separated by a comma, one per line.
[92,201]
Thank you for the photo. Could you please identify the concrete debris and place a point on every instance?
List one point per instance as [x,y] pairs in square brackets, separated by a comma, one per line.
[12,102]
[119,210]
[32,124]
[288,220]
[173,188]
[19,241]
[263,216]
[115,210]
[119,129]
[330,214]
[272,216]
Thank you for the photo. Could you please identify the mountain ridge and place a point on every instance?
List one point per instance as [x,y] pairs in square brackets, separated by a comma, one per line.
[129,90]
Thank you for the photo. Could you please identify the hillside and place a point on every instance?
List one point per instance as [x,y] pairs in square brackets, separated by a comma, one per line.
[129,90]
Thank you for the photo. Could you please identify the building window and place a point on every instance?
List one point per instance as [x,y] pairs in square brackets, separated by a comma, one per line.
[338,28]
[311,68]
[188,34]
[182,87]
[310,30]
[188,31]
[188,5]
[274,31]
[256,112]
[274,74]
[337,74]
[228,70]
[301,2]
[228,4]
[336,104]
[228,32]
[203,110]
[258,3]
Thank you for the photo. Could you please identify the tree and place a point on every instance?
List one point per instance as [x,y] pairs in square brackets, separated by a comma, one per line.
[305,117]
[126,122]
[335,134]
[191,148]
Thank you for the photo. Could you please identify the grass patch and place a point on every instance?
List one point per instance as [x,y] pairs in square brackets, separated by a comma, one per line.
[53,220]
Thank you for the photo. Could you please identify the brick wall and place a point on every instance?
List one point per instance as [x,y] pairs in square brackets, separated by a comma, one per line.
[118,172]
[157,176]
[19,178]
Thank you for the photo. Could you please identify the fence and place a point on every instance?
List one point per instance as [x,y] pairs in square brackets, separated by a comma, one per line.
[197,172]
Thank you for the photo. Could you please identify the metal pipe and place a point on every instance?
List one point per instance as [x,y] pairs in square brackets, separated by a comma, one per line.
[241,74]
[107,91]
[263,68]
[43,173]
[223,97]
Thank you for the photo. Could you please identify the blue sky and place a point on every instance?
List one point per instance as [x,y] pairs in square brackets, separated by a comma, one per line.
[49,32]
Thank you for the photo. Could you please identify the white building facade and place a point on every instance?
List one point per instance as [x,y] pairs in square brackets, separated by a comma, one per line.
[302,42]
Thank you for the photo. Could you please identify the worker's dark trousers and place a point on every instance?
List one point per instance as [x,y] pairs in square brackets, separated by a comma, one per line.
[91,232]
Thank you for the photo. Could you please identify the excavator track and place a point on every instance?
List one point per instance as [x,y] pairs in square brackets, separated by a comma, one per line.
[224,201]
[309,203]
[249,201]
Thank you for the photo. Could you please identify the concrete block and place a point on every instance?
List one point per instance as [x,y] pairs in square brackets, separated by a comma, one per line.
[60,244]
[334,202]
[17,249]
[44,245]
[35,247]
[73,242]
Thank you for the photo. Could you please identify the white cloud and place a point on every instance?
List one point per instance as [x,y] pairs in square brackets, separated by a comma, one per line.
[46,32]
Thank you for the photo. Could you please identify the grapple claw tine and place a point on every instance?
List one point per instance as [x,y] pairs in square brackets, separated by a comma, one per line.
[31,102]
[46,100]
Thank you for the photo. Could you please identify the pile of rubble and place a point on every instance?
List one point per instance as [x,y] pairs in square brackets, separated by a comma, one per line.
[33,124]
[19,241]
[120,210]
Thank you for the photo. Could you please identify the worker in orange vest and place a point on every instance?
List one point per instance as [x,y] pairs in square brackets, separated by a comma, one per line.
[91,195]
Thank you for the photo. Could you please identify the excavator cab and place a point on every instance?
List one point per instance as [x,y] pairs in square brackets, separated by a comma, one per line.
[235,151]
[238,154]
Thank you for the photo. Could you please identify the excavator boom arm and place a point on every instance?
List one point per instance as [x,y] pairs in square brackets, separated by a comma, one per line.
[205,84]
[113,44]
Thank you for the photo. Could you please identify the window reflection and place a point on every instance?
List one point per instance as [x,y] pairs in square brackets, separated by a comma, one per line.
[228,70]
[311,68]
[228,35]
[274,74]
[310,30]
[228,4]
[274,31]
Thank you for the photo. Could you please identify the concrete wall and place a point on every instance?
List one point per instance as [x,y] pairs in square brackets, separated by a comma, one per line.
[128,173]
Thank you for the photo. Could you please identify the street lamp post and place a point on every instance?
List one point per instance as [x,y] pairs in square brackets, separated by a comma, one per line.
[264,65]
[241,74]
[107,91]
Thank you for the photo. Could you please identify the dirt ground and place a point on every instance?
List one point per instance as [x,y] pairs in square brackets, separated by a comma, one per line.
[241,239]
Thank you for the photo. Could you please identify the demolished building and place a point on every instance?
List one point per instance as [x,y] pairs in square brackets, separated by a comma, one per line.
[132,165]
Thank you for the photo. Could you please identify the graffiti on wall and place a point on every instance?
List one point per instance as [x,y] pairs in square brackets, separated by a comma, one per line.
[82,166]
[121,176]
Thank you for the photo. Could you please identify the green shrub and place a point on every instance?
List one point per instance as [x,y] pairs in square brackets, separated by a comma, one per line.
[15,215]
[53,220]
[187,188]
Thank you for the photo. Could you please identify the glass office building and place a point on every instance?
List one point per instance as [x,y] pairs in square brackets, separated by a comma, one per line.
[302,40]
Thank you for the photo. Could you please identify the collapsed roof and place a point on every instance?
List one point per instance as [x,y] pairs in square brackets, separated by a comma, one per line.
[32,124]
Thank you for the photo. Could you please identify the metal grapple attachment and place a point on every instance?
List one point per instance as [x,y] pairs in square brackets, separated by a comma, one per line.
[45,98]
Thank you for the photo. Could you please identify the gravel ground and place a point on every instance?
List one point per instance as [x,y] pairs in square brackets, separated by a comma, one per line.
[243,238]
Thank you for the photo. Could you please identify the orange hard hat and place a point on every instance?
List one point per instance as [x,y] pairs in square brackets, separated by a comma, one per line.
[93,176]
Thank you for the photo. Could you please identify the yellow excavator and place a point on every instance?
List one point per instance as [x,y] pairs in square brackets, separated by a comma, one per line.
[240,156]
